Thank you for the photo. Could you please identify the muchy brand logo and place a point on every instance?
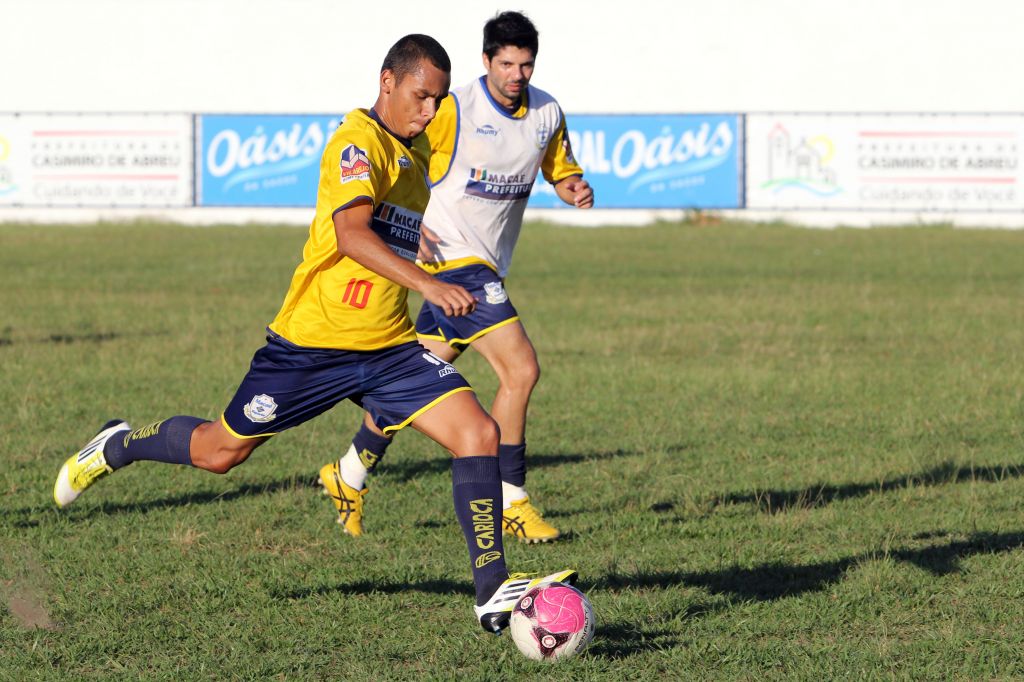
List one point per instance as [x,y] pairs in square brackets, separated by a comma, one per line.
[264,153]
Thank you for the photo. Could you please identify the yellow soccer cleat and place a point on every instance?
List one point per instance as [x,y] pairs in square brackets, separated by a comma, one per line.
[524,522]
[87,466]
[494,615]
[347,500]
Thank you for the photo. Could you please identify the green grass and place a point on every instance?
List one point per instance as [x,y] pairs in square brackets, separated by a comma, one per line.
[779,453]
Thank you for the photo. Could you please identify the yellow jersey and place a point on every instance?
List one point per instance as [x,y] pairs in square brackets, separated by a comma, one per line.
[333,301]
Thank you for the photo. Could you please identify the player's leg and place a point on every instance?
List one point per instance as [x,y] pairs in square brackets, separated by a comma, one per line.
[274,395]
[184,440]
[416,388]
[460,424]
[345,479]
[512,356]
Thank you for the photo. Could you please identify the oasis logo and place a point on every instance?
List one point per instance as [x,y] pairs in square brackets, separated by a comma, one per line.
[670,154]
[263,152]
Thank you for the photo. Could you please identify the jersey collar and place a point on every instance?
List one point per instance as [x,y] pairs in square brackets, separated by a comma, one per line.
[524,102]
[404,140]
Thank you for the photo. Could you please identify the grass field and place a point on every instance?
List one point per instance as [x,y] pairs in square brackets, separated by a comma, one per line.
[779,453]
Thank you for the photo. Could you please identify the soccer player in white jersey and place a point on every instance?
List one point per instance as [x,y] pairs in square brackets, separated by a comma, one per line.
[488,142]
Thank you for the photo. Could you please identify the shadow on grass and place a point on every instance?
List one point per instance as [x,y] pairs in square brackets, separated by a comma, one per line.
[775,581]
[812,497]
[622,639]
[83,337]
[27,517]
[447,587]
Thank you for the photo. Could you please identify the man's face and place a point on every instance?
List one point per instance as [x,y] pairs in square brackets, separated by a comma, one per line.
[508,73]
[413,101]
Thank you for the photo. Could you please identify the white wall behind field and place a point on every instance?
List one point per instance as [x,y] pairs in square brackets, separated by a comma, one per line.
[596,57]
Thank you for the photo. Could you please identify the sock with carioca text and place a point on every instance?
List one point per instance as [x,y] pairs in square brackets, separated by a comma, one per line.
[167,441]
[476,490]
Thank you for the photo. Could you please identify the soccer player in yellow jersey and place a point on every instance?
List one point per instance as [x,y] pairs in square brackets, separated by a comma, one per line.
[488,142]
[344,331]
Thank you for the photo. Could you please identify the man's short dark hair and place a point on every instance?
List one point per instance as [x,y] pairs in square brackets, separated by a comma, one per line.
[405,56]
[509,28]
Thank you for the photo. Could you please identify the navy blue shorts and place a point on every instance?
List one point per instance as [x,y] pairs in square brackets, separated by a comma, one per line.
[493,308]
[288,385]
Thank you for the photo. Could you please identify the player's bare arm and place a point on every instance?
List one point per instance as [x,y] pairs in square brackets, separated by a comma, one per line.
[575,191]
[356,240]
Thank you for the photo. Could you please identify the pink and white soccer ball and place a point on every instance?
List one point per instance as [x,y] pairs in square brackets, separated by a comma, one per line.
[552,621]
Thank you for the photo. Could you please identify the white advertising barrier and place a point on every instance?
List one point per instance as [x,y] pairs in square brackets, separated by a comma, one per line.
[913,162]
[117,160]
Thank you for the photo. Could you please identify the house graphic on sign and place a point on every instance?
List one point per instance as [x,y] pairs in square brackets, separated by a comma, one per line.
[802,165]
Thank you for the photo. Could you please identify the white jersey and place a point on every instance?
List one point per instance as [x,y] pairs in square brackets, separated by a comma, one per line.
[484,165]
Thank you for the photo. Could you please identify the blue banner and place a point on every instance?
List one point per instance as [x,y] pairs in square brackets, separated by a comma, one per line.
[655,161]
[256,160]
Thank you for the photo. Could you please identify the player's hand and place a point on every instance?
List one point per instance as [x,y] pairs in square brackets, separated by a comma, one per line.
[451,298]
[583,194]
[429,251]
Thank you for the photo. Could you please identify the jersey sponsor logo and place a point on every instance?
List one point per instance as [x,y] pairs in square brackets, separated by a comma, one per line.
[404,162]
[497,186]
[543,135]
[399,228]
[261,409]
[355,165]
[495,293]
[488,130]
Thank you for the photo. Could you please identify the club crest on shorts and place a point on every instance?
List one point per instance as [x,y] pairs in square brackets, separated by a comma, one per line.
[355,165]
[261,409]
[495,293]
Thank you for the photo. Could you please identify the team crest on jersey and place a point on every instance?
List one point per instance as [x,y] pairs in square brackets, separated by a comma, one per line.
[495,293]
[261,409]
[543,135]
[355,165]
[404,162]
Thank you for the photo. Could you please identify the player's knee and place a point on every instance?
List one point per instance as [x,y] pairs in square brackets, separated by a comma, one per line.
[521,378]
[481,438]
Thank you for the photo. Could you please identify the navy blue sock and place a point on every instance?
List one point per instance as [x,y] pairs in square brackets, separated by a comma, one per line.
[476,490]
[167,441]
[370,447]
[512,463]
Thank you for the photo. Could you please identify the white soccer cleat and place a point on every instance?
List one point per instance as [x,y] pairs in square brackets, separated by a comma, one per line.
[494,614]
[83,469]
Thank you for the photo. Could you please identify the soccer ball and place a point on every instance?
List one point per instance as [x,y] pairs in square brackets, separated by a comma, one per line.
[552,621]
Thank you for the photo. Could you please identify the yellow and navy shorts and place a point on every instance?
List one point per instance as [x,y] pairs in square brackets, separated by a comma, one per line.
[289,384]
[493,308]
